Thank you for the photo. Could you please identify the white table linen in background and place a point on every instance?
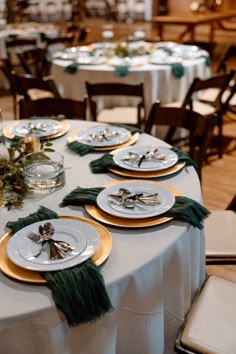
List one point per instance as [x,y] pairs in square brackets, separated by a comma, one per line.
[28,30]
[159,82]
[151,276]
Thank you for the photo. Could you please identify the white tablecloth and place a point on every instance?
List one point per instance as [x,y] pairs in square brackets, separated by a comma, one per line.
[151,276]
[159,81]
[28,30]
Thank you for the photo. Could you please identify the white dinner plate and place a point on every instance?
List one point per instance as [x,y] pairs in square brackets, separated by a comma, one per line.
[188,51]
[84,136]
[162,59]
[171,158]
[21,250]
[49,125]
[167,45]
[128,61]
[90,60]
[66,56]
[140,211]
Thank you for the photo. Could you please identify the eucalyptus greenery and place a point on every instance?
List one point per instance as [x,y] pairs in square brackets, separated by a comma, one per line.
[13,188]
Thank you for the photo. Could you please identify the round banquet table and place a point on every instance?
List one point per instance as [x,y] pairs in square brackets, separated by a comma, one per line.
[151,276]
[159,81]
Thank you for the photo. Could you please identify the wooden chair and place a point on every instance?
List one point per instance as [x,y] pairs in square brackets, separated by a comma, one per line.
[195,100]
[16,45]
[31,88]
[207,46]
[53,106]
[228,55]
[7,69]
[34,88]
[210,325]
[34,61]
[219,230]
[60,42]
[200,128]
[132,115]
[80,31]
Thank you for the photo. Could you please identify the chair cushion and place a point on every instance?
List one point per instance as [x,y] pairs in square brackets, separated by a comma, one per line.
[210,329]
[210,95]
[124,115]
[36,94]
[202,108]
[220,233]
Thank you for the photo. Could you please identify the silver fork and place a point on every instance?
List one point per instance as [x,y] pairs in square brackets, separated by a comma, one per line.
[34,237]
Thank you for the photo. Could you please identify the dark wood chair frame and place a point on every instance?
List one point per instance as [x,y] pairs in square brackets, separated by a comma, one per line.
[200,128]
[34,61]
[71,109]
[219,81]
[116,89]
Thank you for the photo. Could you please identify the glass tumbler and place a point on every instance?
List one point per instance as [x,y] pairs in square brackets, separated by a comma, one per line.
[44,171]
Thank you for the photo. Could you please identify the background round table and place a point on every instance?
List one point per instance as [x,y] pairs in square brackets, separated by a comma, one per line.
[159,81]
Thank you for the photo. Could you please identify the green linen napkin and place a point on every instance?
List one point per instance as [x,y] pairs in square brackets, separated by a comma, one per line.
[101,164]
[58,118]
[83,149]
[79,292]
[43,37]
[121,71]
[207,59]
[177,70]
[184,209]
[12,36]
[71,68]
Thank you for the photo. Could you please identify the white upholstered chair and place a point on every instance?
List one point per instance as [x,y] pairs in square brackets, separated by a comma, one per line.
[210,324]
[220,235]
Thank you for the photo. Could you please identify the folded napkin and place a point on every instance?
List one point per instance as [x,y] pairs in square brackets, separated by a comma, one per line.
[58,118]
[184,209]
[207,59]
[43,37]
[83,149]
[121,71]
[101,164]
[12,35]
[79,292]
[177,70]
[71,68]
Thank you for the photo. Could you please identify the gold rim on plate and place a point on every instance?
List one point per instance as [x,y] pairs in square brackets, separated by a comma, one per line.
[134,137]
[18,273]
[146,174]
[101,216]
[65,127]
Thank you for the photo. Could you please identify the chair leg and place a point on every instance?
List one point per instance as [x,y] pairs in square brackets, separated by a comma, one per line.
[220,134]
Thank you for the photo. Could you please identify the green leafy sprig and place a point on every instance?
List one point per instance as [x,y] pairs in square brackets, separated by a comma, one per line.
[13,189]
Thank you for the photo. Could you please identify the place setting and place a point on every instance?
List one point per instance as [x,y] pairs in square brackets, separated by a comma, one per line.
[136,204]
[143,161]
[102,138]
[146,162]
[59,251]
[43,128]
[52,245]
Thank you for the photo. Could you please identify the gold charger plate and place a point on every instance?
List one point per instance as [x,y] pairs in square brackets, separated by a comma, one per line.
[148,174]
[72,137]
[101,216]
[9,135]
[18,273]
